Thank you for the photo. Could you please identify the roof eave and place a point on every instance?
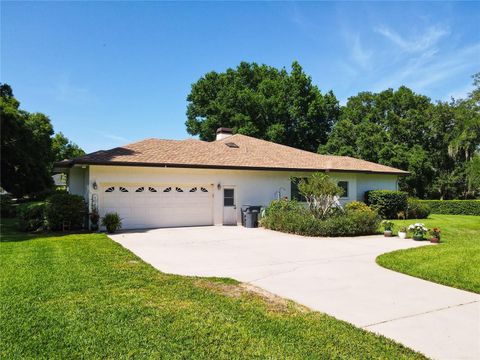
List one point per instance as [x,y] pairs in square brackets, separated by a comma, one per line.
[229,167]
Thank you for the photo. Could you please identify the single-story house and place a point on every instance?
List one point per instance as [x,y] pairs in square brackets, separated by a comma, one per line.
[163,183]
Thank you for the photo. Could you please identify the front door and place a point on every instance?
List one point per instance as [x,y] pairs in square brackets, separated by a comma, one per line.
[229,206]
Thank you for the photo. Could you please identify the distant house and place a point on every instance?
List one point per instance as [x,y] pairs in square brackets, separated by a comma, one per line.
[162,183]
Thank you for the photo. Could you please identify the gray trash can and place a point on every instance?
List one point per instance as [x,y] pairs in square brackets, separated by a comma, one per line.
[251,214]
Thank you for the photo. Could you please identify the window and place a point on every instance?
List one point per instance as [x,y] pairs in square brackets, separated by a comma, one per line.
[168,189]
[193,189]
[151,189]
[295,194]
[122,189]
[177,189]
[110,189]
[203,189]
[228,197]
[344,186]
[140,189]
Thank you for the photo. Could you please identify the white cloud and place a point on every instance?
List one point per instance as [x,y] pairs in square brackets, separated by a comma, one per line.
[420,43]
[360,54]
[431,67]
[65,90]
[115,137]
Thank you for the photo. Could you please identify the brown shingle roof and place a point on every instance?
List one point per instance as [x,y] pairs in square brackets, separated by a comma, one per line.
[250,153]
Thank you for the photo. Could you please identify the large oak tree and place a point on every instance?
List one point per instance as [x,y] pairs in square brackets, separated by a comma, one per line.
[264,102]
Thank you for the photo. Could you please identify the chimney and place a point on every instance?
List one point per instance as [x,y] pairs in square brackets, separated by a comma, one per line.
[223,133]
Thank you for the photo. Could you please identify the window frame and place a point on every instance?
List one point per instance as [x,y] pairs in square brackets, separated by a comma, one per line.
[232,198]
[294,192]
[347,192]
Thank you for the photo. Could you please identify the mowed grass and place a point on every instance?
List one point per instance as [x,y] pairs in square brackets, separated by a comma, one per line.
[84,296]
[455,262]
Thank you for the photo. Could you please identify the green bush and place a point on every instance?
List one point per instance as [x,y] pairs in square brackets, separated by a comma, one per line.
[388,203]
[292,217]
[31,216]
[67,208]
[7,206]
[112,222]
[453,207]
[417,209]
[357,206]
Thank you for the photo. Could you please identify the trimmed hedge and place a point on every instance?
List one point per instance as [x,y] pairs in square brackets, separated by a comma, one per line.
[453,207]
[388,203]
[417,209]
[65,207]
[31,216]
[292,217]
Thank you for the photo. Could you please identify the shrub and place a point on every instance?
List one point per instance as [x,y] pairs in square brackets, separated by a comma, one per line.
[357,206]
[417,209]
[31,216]
[291,217]
[112,222]
[321,194]
[7,207]
[388,203]
[453,207]
[64,207]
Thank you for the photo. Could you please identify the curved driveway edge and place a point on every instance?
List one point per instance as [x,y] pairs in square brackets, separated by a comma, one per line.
[337,276]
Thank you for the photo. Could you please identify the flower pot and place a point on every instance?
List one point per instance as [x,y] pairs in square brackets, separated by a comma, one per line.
[387,233]
[418,237]
[402,235]
[435,240]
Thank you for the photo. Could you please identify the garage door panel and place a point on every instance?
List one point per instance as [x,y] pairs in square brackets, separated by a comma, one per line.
[148,209]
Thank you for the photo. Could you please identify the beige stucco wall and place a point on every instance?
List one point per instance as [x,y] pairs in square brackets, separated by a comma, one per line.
[251,187]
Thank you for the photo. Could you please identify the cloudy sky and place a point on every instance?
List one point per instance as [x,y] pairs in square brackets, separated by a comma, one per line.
[110,73]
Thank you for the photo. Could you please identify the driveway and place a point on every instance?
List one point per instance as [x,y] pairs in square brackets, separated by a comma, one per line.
[337,276]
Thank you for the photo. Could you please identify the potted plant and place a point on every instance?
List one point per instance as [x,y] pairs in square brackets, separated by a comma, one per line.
[94,218]
[435,235]
[112,222]
[402,233]
[419,230]
[387,226]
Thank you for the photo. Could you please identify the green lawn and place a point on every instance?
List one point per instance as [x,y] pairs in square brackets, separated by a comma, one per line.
[455,262]
[84,296]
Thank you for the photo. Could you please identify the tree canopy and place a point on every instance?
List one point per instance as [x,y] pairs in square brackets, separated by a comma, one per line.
[437,142]
[264,102]
[27,148]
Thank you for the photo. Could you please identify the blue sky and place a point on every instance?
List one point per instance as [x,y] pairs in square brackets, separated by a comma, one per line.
[110,73]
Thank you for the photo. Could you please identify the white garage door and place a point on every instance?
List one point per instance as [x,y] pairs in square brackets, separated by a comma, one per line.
[150,206]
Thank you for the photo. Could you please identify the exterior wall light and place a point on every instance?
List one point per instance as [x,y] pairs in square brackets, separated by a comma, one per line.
[219,186]
[94,185]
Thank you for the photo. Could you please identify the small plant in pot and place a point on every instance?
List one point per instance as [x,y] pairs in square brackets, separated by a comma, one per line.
[435,235]
[402,233]
[387,226]
[418,230]
[112,222]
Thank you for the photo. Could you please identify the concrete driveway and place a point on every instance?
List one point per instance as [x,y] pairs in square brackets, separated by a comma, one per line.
[337,276]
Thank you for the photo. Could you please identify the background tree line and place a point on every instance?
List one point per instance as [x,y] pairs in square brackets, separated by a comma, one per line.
[437,142]
[29,147]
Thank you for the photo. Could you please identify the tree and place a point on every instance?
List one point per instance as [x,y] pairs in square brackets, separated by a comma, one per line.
[264,102]
[473,174]
[25,147]
[390,128]
[321,193]
[63,148]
